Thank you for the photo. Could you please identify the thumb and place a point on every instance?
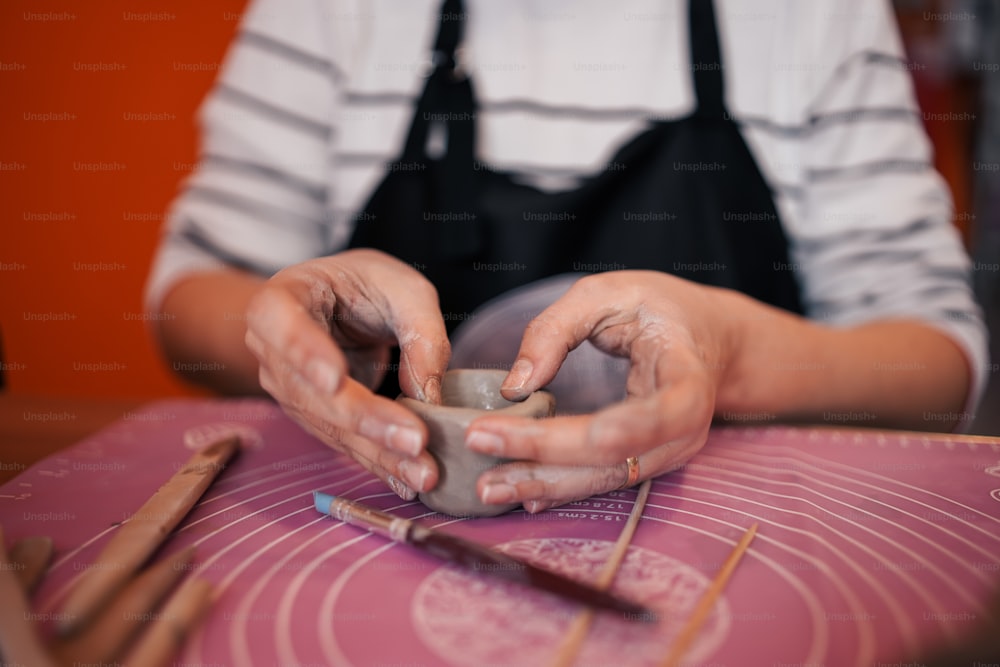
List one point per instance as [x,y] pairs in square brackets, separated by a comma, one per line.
[548,339]
[424,351]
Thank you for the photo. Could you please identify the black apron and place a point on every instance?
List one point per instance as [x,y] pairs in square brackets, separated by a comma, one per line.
[684,197]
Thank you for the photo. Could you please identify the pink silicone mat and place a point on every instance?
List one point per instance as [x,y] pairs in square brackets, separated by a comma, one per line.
[871,547]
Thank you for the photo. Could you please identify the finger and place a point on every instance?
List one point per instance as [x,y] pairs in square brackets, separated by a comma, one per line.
[423,339]
[536,506]
[402,473]
[608,436]
[280,331]
[406,477]
[541,486]
[532,482]
[355,451]
[578,314]
[352,409]
[424,352]
[407,304]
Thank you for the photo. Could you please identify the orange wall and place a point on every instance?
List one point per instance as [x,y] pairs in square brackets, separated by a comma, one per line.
[84,182]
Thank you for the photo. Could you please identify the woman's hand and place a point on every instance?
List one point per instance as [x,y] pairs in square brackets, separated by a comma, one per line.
[322,332]
[676,338]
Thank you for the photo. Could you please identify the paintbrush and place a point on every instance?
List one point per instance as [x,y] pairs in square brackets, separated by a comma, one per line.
[474,556]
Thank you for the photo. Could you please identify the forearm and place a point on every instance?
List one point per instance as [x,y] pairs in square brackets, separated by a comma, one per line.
[895,372]
[202,328]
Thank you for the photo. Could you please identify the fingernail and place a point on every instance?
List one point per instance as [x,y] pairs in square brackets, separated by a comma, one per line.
[400,489]
[536,506]
[496,494]
[519,375]
[403,439]
[484,442]
[416,474]
[432,390]
[322,375]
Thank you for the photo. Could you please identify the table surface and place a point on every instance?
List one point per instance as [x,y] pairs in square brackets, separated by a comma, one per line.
[33,427]
[872,547]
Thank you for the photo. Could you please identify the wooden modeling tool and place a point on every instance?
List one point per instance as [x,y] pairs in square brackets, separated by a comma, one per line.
[124,617]
[700,614]
[142,534]
[19,641]
[581,623]
[31,556]
[171,626]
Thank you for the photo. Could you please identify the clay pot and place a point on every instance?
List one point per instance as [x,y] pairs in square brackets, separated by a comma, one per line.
[465,395]
[588,378]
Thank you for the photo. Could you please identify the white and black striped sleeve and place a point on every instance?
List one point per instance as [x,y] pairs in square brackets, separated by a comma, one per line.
[875,239]
[258,198]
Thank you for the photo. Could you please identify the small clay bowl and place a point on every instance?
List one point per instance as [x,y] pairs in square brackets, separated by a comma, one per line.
[465,395]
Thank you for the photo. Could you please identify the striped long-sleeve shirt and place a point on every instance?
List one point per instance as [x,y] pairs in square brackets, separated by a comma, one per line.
[316,96]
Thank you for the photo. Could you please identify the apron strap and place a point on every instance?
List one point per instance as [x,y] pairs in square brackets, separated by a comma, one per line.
[450,28]
[440,81]
[448,104]
[706,59]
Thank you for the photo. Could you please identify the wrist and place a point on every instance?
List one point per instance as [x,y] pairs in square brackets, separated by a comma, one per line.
[772,360]
[202,331]
[734,317]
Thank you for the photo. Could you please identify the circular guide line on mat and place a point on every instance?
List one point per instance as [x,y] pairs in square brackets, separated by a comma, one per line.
[867,639]
[842,486]
[451,607]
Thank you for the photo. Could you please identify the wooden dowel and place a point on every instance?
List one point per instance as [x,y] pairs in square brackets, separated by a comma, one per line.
[30,557]
[578,630]
[142,534]
[122,619]
[19,641]
[701,611]
[160,642]
[610,571]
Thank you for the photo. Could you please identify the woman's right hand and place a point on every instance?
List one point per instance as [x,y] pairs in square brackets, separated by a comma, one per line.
[322,332]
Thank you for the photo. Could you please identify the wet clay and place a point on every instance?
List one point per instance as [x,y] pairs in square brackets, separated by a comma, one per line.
[465,395]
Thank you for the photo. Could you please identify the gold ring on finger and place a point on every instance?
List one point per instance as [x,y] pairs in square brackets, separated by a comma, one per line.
[632,463]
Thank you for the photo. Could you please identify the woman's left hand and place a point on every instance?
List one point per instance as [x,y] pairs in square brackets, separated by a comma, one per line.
[679,343]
